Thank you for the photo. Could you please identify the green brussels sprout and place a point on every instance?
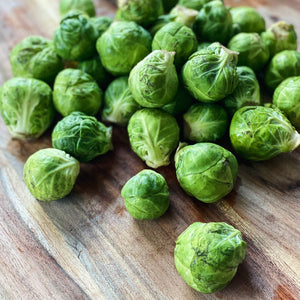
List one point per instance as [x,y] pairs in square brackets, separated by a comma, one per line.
[75,37]
[101,24]
[153,82]
[178,38]
[82,136]
[205,123]
[143,12]
[122,46]
[75,90]
[206,171]
[194,4]
[283,65]
[85,6]
[210,74]
[207,255]
[280,36]
[260,133]
[34,57]
[119,104]
[247,19]
[50,174]
[203,45]
[26,107]
[287,98]
[253,51]
[246,93]
[146,195]
[169,4]
[153,136]
[214,23]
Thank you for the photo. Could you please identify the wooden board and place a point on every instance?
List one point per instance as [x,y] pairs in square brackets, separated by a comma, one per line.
[86,246]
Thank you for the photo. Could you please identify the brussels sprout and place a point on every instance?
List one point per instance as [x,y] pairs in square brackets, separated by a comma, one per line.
[119,104]
[260,133]
[205,122]
[283,65]
[203,45]
[246,93]
[146,195]
[168,4]
[26,107]
[85,6]
[247,19]
[75,90]
[153,82]
[143,12]
[50,174]
[210,74]
[122,46]
[280,36]
[101,24]
[207,255]
[253,51]
[206,171]
[34,57]
[153,136]
[214,23]
[75,37]
[194,4]
[82,136]
[287,99]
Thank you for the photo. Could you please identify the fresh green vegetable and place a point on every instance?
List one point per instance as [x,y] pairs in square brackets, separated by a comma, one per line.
[85,6]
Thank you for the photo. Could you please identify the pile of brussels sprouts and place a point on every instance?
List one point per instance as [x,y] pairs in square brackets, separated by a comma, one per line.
[170,71]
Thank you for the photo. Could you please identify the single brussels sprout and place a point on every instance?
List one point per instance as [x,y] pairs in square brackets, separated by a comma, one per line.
[247,19]
[207,255]
[246,93]
[253,51]
[287,98]
[34,57]
[146,195]
[119,104]
[260,133]
[169,4]
[122,46]
[283,65]
[210,74]
[85,6]
[194,4]
[26,107]
[50,174]
[205,171]
[75,37]
[214,23]
[280,36]
[205,122]
[82,136]
[153,82]
[203,45]
[143,12]
[75,90]
[153,136]
[101,24]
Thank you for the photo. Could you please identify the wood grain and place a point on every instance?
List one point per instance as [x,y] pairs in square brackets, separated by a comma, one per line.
[86,246]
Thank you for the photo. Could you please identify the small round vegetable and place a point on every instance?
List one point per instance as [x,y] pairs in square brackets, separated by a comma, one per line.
[153,82]
[178,38]
[75,90]
[260,133]
[50,174]
[82,136]
[210,74]
[153,136]
[26,107]
[287,98]
[214,23]
[34,57]
[146,195]
[207,255]
[101,24]
[122,46]
[119,104]
[253,51]
[283,65]
[205,122]
[85,6]
[194,4]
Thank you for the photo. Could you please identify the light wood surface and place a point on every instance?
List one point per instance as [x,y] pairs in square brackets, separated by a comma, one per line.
[87,246]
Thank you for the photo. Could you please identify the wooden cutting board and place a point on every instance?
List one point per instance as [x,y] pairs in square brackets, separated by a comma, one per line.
[87,246]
